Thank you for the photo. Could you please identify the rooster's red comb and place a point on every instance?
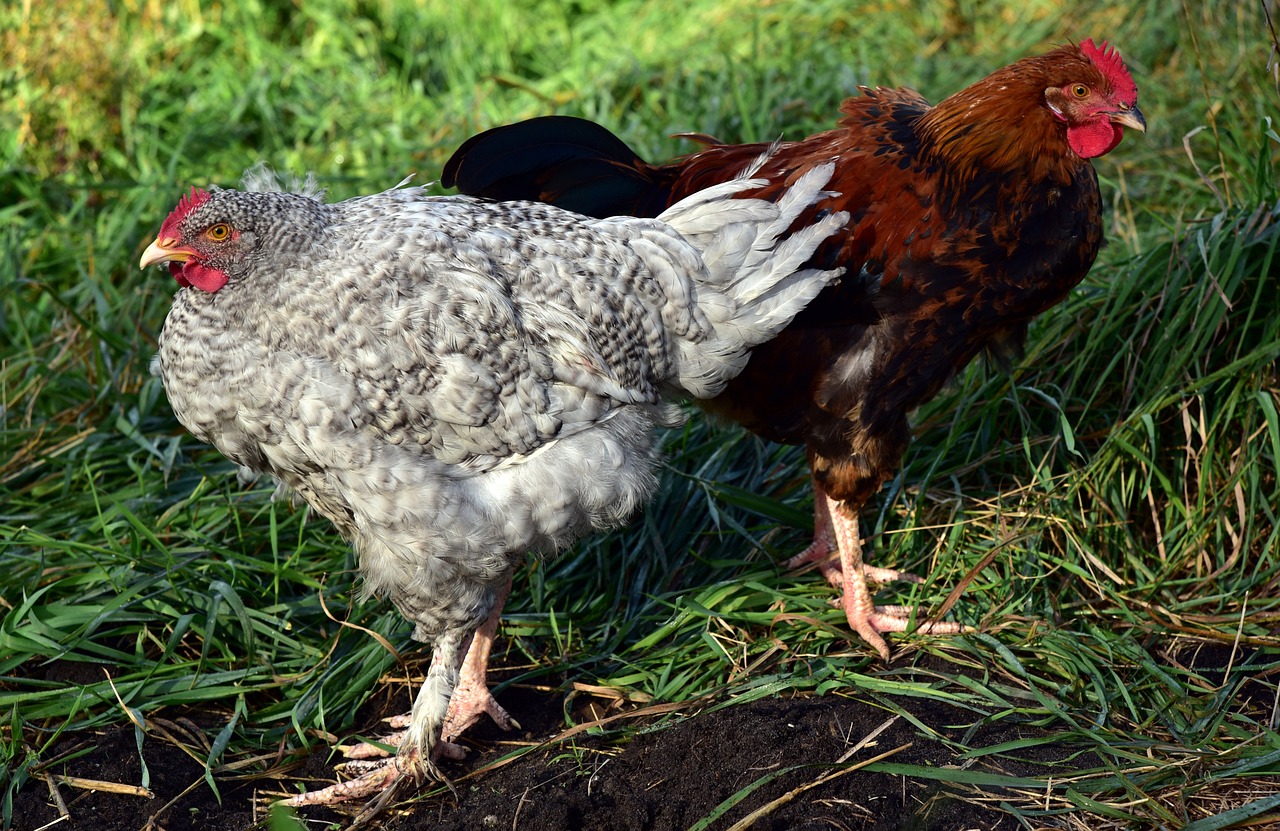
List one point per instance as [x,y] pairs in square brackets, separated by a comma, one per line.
[186,205]
[1107,60]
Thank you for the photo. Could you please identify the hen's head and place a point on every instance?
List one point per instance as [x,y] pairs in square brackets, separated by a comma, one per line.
[1097,99]
[214,237]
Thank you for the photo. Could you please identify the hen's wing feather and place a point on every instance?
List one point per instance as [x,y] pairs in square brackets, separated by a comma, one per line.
[481,346]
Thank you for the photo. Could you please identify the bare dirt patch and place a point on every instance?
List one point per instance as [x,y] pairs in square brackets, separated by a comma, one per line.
[671,777]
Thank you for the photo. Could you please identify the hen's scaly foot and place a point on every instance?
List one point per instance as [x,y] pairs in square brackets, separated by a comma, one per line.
[378,777]
[468,705]
[828,563]
[470,700]
[825,553]
[369,750]
[417,747]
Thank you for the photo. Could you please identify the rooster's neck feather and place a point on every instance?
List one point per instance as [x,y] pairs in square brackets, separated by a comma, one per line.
[1002,124]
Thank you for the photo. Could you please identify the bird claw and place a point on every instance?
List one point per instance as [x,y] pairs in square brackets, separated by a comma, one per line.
[370,750]
[468,705]
[889,575]
[837,552]
[819,551]
[379,769]
[359,767]
[898,619]
[830,569]
[377,778]
[826,556]
[399,722]
[451,750]
[378,750]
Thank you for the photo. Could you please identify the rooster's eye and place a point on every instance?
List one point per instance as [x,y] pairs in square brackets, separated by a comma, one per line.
[218,232]
[1080,91]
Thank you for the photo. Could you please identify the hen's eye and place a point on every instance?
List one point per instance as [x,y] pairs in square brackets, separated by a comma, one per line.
[218,232]
[1080,91]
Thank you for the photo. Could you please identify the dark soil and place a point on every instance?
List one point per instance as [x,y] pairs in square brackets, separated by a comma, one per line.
[668,778]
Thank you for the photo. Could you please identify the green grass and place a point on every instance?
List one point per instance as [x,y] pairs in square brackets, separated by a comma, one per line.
[1120,484]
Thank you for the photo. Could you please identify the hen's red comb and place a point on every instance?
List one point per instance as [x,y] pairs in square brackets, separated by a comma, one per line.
[1109,63]
[186,205]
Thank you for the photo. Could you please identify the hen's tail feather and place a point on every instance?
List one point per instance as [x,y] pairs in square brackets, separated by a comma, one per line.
[753,283]
[750,261]
[569,162]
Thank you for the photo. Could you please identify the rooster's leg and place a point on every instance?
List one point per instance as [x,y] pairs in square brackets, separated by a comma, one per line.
[867,619]
[826,555]
[837,551]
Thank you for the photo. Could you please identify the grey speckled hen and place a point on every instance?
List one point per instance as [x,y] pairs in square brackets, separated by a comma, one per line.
[454,383]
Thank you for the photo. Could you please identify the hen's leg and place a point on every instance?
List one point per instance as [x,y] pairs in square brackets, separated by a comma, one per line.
[472,698]
[430,708]
[419,742]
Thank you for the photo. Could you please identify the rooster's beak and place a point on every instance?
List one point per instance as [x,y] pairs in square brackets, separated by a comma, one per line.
[1130,117]
[163,251]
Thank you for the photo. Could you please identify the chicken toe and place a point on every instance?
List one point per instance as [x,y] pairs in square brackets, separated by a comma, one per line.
[864,617]
[417,746]
[378,778]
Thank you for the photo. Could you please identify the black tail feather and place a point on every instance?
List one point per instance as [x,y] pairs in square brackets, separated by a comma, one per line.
[569,162]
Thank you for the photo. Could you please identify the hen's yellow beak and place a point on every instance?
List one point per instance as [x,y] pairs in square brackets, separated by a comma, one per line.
[163,251]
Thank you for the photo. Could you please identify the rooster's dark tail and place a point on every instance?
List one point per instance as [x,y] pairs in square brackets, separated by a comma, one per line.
[569,162]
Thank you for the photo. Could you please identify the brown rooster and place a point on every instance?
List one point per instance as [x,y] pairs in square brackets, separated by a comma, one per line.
[969,218]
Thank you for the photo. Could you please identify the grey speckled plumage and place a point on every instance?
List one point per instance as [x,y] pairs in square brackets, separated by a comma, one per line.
[454,383]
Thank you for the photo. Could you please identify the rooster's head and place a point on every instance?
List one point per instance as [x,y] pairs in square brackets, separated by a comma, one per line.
[1098,104]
